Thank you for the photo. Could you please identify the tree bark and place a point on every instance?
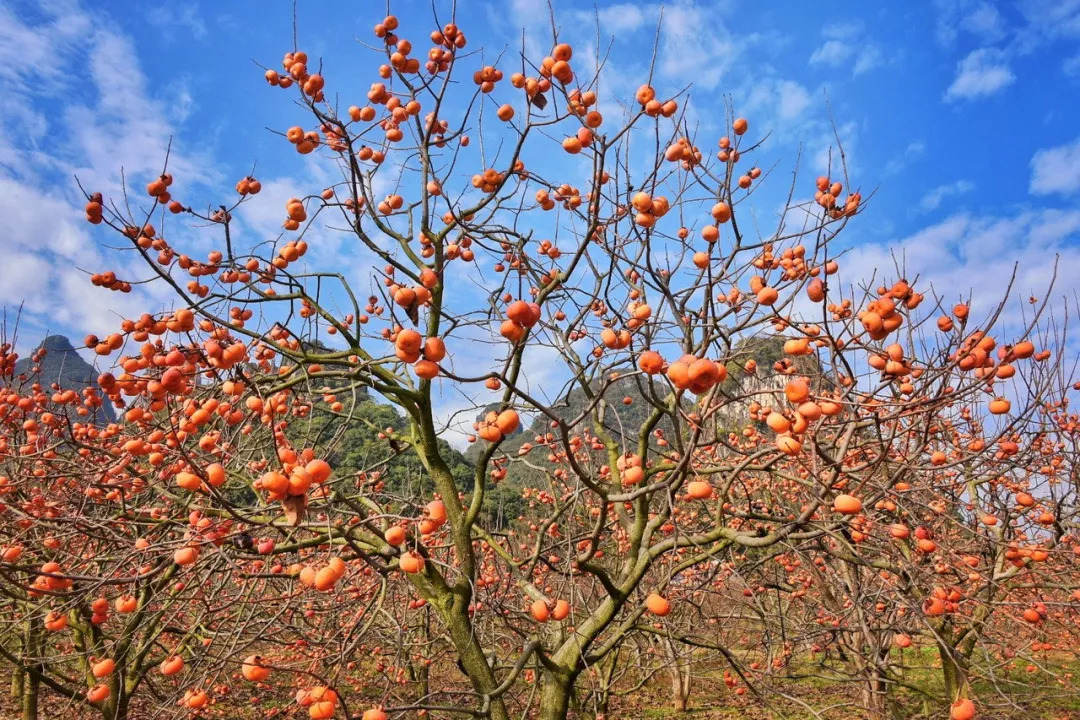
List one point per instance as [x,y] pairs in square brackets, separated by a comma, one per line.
[452,603]
[117,707]
[555,695]
[31,686]
[680,678]
[31,682]
[476,667]
[876,686]
[875,701]
[954,671]
[18,682]
[18,675]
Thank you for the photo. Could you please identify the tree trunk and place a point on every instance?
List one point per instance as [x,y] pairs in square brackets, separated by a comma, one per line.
[419,670]
[602,701]
[875,701]
[452,603]
[31,686]
[954,671]
[555,695]
[116,707]
[875,693]
[18,675]
[473,660]
[680,678]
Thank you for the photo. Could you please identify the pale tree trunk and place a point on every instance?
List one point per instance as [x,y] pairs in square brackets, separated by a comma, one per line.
[875,694]
[419,670]
[117,706]
[608,668]
[679,671]
[875,700]
[452,603]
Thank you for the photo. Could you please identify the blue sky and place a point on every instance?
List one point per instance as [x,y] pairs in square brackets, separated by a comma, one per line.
[963,116]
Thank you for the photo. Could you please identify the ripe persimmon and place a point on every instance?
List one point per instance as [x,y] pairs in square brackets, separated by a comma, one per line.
[539,611]
[698,490]
[650,362]
[411,562]
[657,605]
[254,669]
[847,504]
[962,709]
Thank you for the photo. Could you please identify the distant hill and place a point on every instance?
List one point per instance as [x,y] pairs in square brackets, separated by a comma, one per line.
[63,365]
[623,422]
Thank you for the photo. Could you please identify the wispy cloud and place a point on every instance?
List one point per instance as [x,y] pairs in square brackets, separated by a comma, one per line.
[713,51]
[185,17]
[978,18]
[933,199]
[832,53]
[978,254]
[89,113]
[982,73]
[914,150]
[847,46]
[1056,170]
[1071,66]
[869,58]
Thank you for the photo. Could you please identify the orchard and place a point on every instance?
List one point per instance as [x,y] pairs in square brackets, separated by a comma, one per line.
[753,483]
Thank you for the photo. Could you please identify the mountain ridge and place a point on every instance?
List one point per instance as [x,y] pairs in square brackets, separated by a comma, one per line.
[63,366]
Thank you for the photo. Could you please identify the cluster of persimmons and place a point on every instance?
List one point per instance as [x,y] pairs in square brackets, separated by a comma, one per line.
[810,470]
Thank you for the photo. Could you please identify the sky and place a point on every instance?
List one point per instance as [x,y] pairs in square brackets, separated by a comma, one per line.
[962,117]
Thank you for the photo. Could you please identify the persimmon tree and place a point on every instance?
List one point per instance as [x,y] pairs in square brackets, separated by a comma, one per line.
[963,538]
[491,217]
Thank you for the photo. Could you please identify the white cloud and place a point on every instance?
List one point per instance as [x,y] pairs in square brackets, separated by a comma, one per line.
[713,51]
[621,18]
[45,48]
[90,113]
[847,45]
[1071,66]
[1056,170]
[38,221]
[966,253]
[1053,225]
[914,150]
[827,159]
[868,59]
[170,18]
[832,53]
[982,73]
[794,99]
[842,30]
[983,20]
[779,105]
[1053,18]
[975,17]
[22,275]
[933,199]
